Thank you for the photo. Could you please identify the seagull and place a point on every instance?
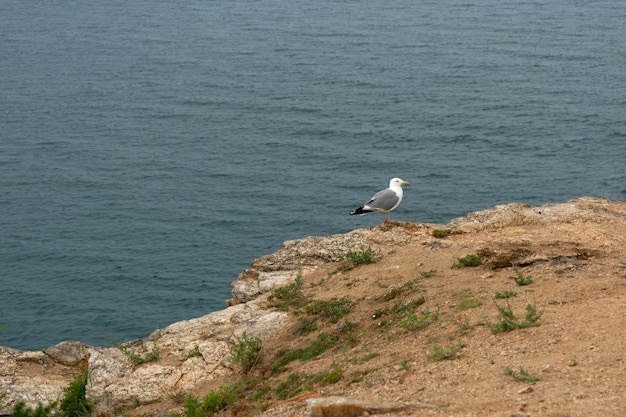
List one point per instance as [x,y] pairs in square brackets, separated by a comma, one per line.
[385,200]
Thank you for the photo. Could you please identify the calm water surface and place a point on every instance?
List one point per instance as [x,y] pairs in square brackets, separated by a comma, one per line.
[149,150]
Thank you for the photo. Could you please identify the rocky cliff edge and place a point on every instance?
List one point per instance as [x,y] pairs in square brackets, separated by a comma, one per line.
[576,252]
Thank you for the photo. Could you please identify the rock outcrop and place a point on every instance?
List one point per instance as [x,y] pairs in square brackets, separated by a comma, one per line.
[190,353]
[187,356]
[583,209]
[348,407]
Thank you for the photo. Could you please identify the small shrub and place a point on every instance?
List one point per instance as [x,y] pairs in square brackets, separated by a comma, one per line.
[521,279]
[441,354]
[74,402]
[246,352]
[468,261]
[504,295]
[509,321]
[192,407]
[531,319]
[428,274]
[214,402]
[441,233]
[218,400]
[521,376]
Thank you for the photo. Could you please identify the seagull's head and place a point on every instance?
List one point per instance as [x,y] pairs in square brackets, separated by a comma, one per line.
[397,182]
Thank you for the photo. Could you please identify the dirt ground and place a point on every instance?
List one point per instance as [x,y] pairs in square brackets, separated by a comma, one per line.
[576,353]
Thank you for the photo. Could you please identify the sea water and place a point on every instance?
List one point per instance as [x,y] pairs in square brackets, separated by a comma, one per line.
[150,150]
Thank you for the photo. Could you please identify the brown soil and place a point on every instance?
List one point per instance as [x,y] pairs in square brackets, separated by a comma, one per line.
[577,352]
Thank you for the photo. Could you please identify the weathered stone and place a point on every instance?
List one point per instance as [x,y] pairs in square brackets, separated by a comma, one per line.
[579,210]
[263,326]
[525,390]
[20,381]
[195,351]
[31,390]
[245,287]
[302,255]
[67,353]
[251,283]
[347,407]
[501,254]
[318,250]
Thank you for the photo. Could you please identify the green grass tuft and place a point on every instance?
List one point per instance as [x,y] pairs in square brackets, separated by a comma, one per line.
[321,344]
[362,359]
[428,274]
[331,310]
[441,233]
[361,257]
[504,295]
[521,376]
[467,303]
[468,261]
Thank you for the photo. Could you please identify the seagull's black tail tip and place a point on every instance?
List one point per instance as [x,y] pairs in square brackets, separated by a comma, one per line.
[358,211]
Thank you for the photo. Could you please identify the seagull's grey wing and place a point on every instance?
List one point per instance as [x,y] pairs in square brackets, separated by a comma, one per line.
[383,200]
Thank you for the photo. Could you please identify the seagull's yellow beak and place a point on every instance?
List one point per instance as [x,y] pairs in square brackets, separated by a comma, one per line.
[405,183]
